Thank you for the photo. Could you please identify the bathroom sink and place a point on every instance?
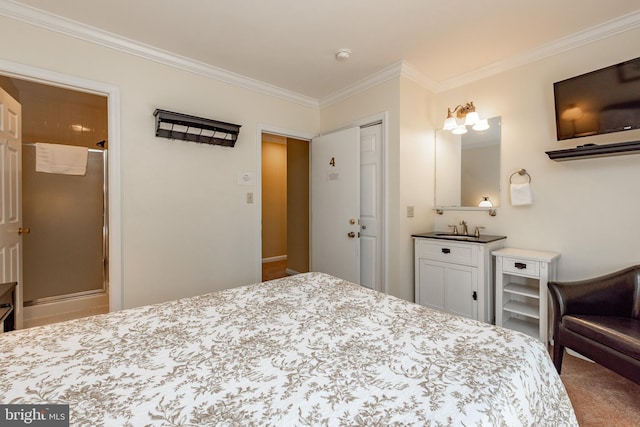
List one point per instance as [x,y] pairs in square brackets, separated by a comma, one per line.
[447,235]
[455,236]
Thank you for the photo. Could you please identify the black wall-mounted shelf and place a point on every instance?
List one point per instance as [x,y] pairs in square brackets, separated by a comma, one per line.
[197,129]
[589,151]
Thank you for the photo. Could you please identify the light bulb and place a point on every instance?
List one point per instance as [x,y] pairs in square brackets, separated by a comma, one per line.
[450,123]
[472,118]
[481,125]
[459,130]
[485,202]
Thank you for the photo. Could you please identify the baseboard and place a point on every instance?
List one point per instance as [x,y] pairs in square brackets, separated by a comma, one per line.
[274,258]
[578,355]
[58,311]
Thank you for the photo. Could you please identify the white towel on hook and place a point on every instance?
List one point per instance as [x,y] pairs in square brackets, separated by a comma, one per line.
[521,194]
[61,159]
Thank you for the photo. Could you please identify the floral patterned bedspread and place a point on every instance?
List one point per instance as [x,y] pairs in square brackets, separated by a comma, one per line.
[310,349]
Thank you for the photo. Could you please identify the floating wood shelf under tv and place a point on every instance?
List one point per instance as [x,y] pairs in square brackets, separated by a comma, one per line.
[589,151]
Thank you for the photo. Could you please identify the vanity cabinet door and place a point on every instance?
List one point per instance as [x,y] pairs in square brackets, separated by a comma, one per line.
[461,285]
[448,287]
[431,283]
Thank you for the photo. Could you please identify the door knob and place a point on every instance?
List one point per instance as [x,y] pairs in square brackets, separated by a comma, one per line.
[351,234]
[25,230]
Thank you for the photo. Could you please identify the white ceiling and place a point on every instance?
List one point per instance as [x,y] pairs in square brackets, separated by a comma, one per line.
[290,44]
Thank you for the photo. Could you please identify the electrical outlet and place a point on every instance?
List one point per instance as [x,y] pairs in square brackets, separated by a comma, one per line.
[409,211]
[249,198]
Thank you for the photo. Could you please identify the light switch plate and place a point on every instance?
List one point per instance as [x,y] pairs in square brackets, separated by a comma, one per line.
[409,211]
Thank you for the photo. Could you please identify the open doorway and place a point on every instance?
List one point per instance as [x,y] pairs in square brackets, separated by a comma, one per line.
[285,206]
[66,252]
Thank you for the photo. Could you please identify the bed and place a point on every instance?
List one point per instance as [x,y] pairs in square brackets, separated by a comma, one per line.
[310,349]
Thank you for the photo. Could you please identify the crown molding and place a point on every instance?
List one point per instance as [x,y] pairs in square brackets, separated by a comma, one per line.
[397,69]
[607,29]
[392,71]
[84,32]
[412,74]
[37,17]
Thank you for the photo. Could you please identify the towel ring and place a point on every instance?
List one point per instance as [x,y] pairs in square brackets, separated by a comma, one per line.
[521,172]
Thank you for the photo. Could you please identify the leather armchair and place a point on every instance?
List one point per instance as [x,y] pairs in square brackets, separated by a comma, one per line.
[600,319]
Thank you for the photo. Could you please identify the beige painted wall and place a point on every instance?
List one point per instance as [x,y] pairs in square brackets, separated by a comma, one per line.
[585,209]
[408,168]
[416,169]
[186,226]
[274,199]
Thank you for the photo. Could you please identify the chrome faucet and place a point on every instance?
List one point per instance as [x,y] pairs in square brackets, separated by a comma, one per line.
[465,230]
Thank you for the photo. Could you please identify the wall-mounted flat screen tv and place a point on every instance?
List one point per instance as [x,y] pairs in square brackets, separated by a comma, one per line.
[599,102]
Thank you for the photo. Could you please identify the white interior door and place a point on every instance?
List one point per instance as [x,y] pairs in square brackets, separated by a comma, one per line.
[371,206]
[11,209]
[335,204]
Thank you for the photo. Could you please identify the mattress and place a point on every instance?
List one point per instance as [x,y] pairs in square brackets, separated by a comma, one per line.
[310,349]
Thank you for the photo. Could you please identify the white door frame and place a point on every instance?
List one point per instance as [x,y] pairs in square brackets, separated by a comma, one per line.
[383,118]
[52,78]
[380,117]
[262,128]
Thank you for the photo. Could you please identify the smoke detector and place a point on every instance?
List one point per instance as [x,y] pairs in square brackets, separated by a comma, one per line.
[343,54]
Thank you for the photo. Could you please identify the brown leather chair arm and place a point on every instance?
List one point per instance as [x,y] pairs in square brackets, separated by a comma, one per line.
[609,295]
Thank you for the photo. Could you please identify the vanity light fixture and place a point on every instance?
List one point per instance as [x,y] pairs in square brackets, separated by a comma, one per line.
[463,116]
[485,202]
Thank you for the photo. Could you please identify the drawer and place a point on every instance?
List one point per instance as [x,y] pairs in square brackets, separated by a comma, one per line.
[521,267]
[456,253]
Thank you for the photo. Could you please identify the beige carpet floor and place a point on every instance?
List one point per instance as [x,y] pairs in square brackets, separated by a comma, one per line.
[599,396]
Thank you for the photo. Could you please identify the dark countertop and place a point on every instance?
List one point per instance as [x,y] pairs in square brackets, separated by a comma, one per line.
[443,235]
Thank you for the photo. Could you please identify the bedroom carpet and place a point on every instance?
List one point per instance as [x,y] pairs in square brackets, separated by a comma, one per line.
[599,396]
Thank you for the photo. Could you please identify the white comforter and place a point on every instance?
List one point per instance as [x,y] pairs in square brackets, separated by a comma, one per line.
[306,350]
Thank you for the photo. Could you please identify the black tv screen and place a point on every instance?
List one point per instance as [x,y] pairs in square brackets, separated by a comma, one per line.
[602,101]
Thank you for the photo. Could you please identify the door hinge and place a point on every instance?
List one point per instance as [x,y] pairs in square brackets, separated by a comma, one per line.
[475,296]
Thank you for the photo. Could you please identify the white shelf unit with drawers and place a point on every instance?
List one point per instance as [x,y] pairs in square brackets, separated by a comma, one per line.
[521,290]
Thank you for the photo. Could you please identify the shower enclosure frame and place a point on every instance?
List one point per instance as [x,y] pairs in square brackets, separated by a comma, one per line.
[105,240]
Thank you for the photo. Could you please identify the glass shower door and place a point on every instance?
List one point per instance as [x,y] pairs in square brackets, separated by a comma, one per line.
[64,255]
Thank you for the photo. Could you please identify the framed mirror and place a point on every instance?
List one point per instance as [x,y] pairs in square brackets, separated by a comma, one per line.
[467,168]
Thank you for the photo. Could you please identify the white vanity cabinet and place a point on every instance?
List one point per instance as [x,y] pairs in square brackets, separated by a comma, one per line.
[456,276]
[521,290]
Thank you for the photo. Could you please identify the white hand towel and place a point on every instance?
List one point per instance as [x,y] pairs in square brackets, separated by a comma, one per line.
[61,159]
[521,194]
